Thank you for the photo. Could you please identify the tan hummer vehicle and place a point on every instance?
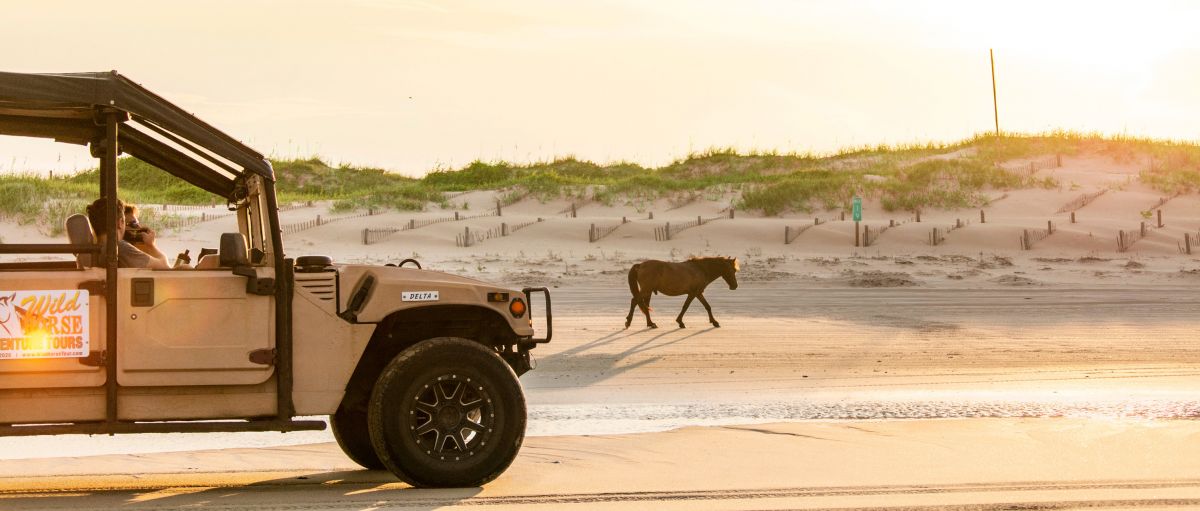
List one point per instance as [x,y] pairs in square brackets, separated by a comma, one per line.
[417,369]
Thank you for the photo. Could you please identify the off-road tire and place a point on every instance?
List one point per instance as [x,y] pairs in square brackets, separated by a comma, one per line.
[447,412]
[354,437]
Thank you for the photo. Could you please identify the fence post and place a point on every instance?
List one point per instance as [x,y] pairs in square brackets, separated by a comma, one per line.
[856,235]
[1049,227]
[201,216]
[466,236]
[891,222]
[1072,217]
[592,234]
[651,215]
[365,237]
[498,211]
[1160,224]
[573,210]
[1120,241]
[957,223]
[699,221]
[843,216]
[787,234]
[412,223]
[1026,242]
[731,213]
[624,220]
[982,218]
[456,215]
[1057,160]
[504,229]
[918,216]
[1143,229]
[318,219]
[1187,243]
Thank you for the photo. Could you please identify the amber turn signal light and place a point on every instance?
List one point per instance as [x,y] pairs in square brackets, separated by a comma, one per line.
[517,308]
[497,297]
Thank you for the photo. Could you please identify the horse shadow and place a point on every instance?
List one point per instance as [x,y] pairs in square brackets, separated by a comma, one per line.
[602,366]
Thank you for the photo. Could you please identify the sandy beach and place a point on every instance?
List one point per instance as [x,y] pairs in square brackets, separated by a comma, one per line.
[972,374]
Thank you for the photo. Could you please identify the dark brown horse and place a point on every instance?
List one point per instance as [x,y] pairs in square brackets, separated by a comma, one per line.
[673,279]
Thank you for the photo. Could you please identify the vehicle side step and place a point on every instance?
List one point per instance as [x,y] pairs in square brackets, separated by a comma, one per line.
[116,428]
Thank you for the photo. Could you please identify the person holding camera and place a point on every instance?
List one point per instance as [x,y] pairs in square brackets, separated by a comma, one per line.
[128,255]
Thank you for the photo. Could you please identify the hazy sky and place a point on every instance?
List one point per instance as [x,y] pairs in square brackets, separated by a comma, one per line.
[413,85]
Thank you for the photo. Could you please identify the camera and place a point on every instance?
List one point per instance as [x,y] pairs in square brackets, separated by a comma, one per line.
[134,235]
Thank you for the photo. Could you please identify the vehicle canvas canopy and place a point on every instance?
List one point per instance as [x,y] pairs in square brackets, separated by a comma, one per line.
[112,115]
[70,108]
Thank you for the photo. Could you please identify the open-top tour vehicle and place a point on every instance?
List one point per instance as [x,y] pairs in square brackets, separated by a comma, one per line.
[417,369]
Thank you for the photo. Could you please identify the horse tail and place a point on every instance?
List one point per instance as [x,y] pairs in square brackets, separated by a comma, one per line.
[633,282]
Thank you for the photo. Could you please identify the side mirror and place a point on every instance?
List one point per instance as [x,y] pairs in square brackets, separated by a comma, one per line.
[233,251]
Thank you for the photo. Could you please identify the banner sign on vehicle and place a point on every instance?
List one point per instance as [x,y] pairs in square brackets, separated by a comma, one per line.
[44,324]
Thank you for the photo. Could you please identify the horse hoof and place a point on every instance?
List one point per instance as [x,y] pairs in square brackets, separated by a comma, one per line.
[716,325]
[681,325]
[651,325]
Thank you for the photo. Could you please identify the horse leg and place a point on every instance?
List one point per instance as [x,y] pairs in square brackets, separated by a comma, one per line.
[633,303]
[645,304]
[686,303]
[711,319]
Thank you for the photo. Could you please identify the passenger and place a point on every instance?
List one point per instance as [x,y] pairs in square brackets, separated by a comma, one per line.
[128,256]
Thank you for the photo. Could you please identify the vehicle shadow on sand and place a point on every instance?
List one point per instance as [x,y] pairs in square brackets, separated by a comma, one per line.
[359,489]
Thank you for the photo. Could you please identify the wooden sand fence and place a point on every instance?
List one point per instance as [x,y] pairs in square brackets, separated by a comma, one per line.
[1049,162]
[598,233]
[871,235]
[317,222]
[668,231]
[516,227]
[470,238]
[572,211]
[937,235]
[182,207]
[791,233]
[413,223]
[179,222]
[370,236]
[1081,201]
[1126,239]
[1190,239]
[1031,236]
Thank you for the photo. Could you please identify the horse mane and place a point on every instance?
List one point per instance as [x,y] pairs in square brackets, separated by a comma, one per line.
[711,261]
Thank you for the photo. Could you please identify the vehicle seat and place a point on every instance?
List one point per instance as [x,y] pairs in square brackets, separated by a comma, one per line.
[79,232]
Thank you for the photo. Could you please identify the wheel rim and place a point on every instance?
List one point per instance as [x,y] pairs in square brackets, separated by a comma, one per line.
[452,417]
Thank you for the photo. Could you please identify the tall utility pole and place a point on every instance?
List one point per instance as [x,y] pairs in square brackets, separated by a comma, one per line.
[995,107]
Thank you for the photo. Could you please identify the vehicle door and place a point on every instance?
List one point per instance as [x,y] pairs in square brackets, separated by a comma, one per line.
[199,326]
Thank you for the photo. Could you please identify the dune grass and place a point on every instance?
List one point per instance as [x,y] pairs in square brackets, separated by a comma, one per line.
[905,178]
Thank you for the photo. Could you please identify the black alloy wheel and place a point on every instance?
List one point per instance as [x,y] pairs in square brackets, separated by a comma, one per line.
[447,412]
